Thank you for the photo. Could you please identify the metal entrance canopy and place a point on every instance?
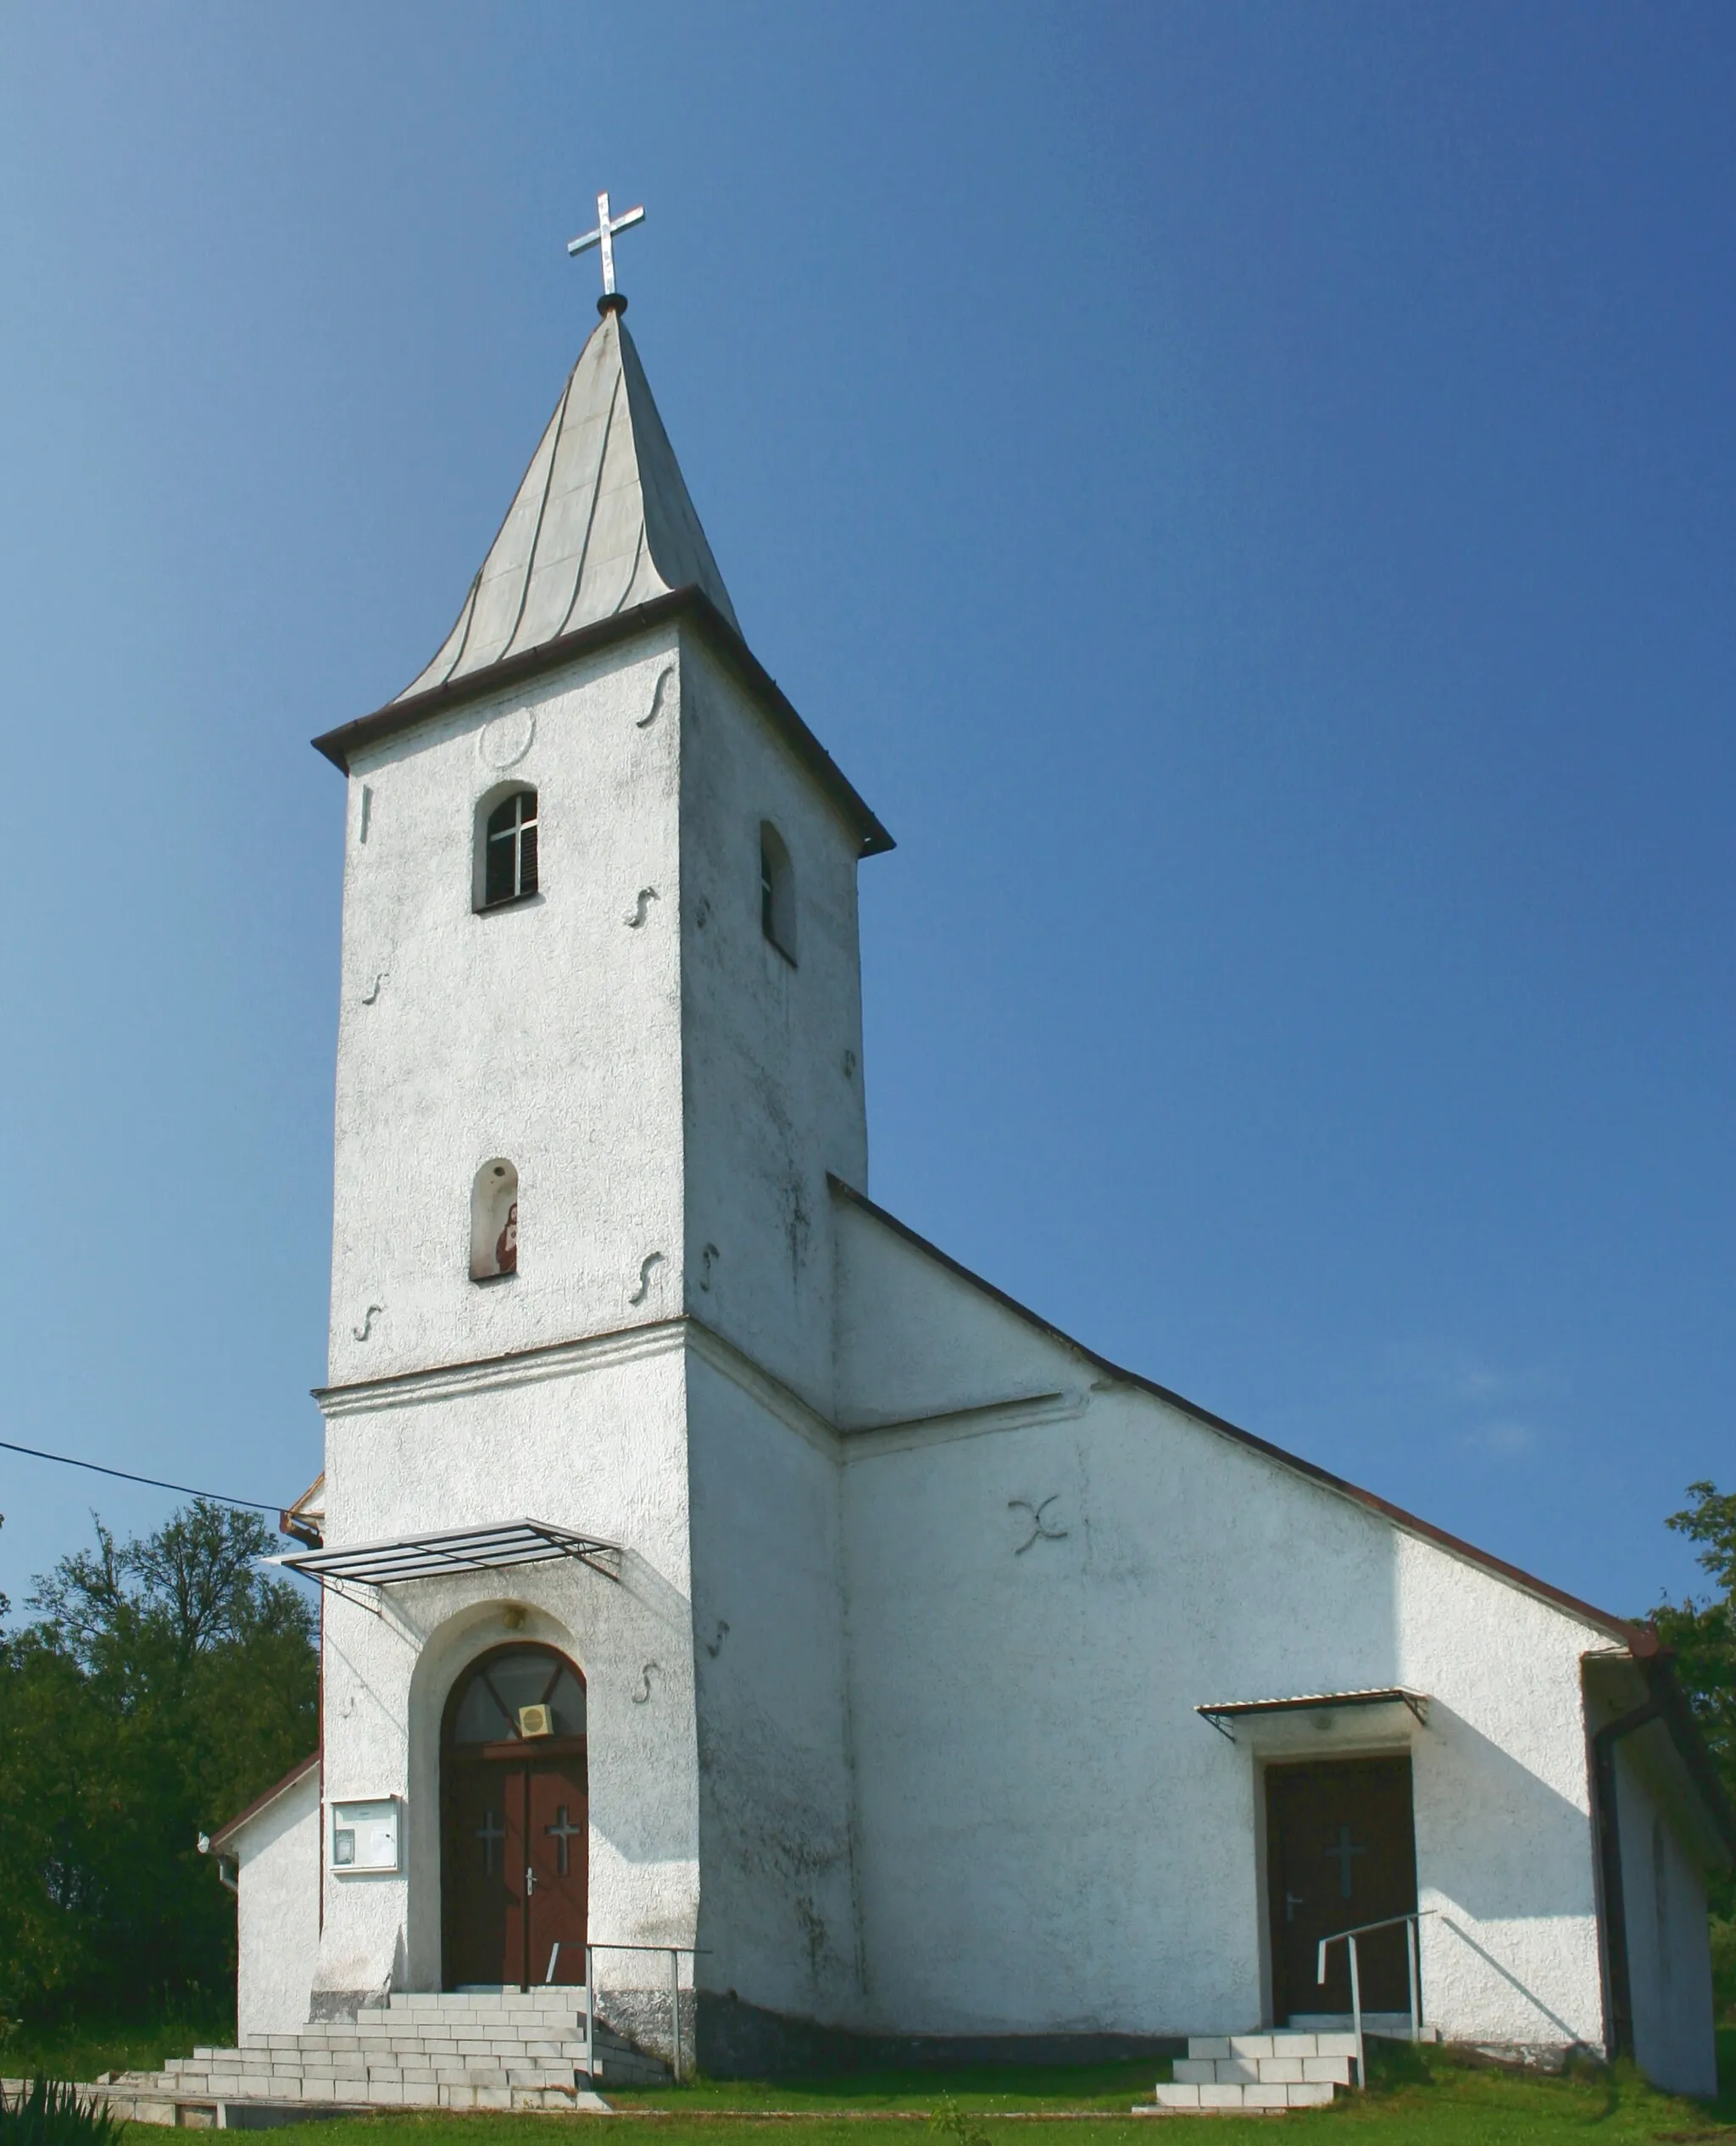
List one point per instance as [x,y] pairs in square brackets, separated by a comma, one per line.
[426,1556]
[1237,1710]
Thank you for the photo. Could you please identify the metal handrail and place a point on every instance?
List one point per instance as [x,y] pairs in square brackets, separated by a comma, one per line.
[675,1953]
[1349,1939]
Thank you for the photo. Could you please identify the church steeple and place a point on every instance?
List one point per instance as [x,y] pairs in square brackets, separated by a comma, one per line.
[600,1044]
[601,522]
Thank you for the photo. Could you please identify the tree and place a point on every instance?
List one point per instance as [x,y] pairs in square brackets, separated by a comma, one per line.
[164,1683]
[1702,1636]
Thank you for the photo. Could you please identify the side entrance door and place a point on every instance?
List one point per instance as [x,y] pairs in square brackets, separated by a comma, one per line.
[1340,1850]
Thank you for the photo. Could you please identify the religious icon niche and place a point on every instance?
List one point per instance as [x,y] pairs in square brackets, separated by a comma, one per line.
[494,1221]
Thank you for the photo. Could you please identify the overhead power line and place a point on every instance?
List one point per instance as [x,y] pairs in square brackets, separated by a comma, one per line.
[125,1475]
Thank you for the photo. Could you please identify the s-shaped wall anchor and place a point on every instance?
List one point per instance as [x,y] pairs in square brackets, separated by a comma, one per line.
[655,710]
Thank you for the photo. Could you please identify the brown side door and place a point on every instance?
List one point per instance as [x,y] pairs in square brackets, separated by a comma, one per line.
[1341,1849]
[558,1841]
[483,1871]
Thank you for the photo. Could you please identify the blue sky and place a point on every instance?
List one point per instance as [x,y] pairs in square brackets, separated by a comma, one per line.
[1246,492]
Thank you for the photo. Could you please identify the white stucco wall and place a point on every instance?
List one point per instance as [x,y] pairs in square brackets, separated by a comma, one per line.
[777,1914]
[773,1095]
[589,1437]
[1505,1847]
[1051,1838]
[548,1033]
[277,1855]
[1669,1953]
[772,1051]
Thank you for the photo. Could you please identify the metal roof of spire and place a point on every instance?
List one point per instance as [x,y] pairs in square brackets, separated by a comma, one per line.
[602,521]
[600,541]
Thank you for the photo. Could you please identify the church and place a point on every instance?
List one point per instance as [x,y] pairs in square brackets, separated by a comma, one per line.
[741,1623]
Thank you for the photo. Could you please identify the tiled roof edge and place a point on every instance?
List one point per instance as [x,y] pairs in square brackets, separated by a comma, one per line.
[1641,1642]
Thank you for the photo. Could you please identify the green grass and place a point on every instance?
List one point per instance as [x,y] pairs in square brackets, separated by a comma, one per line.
[981,2089]
[1426,2096]
[79,2049]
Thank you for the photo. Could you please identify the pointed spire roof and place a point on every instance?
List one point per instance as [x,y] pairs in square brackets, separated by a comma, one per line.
[601,542]
[601,522]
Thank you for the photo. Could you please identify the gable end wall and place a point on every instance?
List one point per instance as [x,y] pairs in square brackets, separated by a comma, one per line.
[1051,1838]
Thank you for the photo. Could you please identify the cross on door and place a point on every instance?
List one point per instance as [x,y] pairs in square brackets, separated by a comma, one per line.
[562,1832]
[488,1832]
[1345,1849]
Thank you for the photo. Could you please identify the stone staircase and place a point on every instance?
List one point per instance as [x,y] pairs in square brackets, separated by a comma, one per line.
[1270,2072]
[495,2049]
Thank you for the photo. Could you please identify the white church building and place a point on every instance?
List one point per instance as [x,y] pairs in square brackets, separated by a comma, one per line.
[711,1566]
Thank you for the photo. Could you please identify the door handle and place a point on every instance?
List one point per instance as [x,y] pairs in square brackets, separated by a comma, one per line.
[1292,1902]
[530,1881]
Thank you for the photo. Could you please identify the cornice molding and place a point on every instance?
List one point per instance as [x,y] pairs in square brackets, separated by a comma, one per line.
[489,1375]
[841,1445]
[1023,1412]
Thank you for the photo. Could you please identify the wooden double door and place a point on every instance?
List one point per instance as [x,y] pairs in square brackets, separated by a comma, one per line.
[514,1867]
[1340,1850]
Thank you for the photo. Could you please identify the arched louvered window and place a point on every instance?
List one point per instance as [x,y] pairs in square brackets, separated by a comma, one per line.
[777,892]
[507,845]
[516,1694]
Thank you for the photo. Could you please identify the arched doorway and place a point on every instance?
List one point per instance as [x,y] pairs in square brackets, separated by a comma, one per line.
[514,1821]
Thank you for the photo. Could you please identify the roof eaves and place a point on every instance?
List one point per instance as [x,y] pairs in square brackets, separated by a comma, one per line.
[1638,1639]
[1689,1739]
[691,602]
[226,1833]
[305,1503]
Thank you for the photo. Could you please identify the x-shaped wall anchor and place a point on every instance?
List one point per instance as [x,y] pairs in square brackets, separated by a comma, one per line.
[1040,1529]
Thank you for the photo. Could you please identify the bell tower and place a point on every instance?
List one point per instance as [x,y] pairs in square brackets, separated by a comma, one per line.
[600,942]
[599,1051]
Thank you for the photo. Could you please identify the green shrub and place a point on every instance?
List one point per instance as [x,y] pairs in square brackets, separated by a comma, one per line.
[48,2112]
[1724,1966]
[164,1685]
[951,2123]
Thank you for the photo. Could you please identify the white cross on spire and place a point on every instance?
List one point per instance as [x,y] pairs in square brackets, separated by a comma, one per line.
[604,236]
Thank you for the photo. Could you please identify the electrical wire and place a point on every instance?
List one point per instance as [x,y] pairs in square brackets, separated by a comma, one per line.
[155,1482]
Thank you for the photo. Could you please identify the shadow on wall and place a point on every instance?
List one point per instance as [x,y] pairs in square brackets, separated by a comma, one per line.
[770,1816]
[655,1637]
[1458,1930]
[1492,1836]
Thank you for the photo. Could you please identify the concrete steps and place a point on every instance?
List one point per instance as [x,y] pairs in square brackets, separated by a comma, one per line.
[1254,2072]
[1382,2026]
[498,2050]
